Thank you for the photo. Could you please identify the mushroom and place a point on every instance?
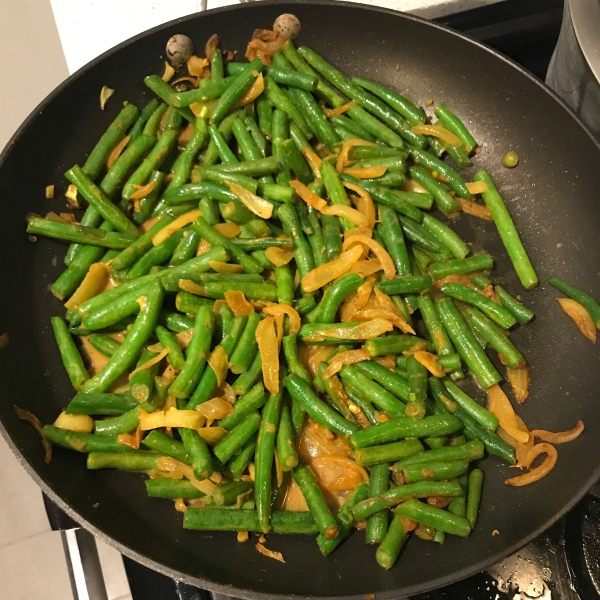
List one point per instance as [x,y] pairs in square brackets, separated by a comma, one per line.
[287,26]
[179,49]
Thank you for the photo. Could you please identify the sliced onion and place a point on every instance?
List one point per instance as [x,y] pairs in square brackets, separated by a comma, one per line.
[559,437]
[313,356]
[363,293]
[141,191]
[188,419]
[116,152]
[539,472]
[71,196]
[185,337]
[203,110]
[581,316]
[203,247]
[439,132]
[279,256]
[313,159]
[462,279]
[364,268]
[228,230]
[308,196]
[364,203]
[93,283]
[259,206]
[369,314]
[285,310]
[346,212]
[215,409]
[226,268]
[326,273]
[364,331]
[366,231]
[268,347]
[269,553]
[212,435]
[386,260]
[366,172]
[178,469]
[237,302]
[474,209]
[347,145]
[430,362]
[340,110]
[489,292]
[349,357]
[79,423]
[338,473]
[408,524]
[412,186]
[477,187]
[499,405]
[105,94]
[151,362]
[187,285]
[388,361]
[176,225]
[219,362]
[256,89]
[196,65]
[169,72]
[520,380]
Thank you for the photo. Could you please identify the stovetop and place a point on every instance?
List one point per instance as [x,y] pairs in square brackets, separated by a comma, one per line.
[563,564]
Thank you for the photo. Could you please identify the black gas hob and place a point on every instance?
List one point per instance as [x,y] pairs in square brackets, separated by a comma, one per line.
[564,564]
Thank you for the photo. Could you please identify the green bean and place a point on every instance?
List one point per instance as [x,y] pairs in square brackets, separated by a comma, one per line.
[313,333]
[582,298]
[123,424]
[83,442]
[474,495]
[246,380]
[286,451]
[376,455]
[172,489]
[393,163]
[252,168]
[235,213]
[295,161]
[134,461]
[302,81]
[417,388]
[327,309]
[211,91]
[285,284]
[228,493]
[458,505]
[439,193]
[520,312]
[78,233]
[421,489]
[217,519]
[315,500]
[211,155]
[455,182]
[335,399]
[479,262]
[104,344]
[186,249]
[434,470]
[157,255]
[245,351]
[71,358]
[421,237]
[379,396]
[394,240]
[164,444]
[335,190]
[214,238]
[225,153]
[495,337]
[363,403]
[265,115]
[139,333]
[253,291]
[237,465]
[355,130]
[216,65]
[264,459]
[332,235]
[175,321]
[208,382]
[391,179]
[445,236]
[290,350]
[281,132]
[101,404]
[246,144]
[469,451]
[303,255]
[434,517]
[494,311]
[110,138]
[141,382]
[186,302]
[388,551]
[197,451]
[456,126]
[405,285]
[392,344]
[466,345]
[237,437]
[166,93]
[154,121]
[236,89]
[391,431]
[377,524]
[323,414]
[508,232]
[168,340]
[471,407]
[196,355]
[281,102]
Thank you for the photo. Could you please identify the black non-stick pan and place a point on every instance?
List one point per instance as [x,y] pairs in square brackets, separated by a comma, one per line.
[553,196]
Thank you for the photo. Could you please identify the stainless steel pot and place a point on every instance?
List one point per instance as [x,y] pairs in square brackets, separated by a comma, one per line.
[574,71]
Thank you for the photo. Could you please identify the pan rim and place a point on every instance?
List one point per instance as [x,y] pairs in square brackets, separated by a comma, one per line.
[434,583]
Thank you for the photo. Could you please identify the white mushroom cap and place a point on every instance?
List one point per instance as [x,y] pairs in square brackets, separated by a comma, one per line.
[179,49]
[288,26]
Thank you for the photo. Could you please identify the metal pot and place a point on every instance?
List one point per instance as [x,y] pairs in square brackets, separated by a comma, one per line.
[574,71]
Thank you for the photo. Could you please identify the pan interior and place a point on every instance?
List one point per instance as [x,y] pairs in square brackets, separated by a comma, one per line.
[552,196]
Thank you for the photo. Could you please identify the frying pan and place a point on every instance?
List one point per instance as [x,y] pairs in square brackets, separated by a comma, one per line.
[552,196]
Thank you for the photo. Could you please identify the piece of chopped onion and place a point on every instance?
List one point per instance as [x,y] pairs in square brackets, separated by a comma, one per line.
[176,225]
[116,151]
[169,72]
[308,196]
[412,186]
[364,331]
[215,409]
[462,279]
[389,269]
[476,187]
[559,437]
[348,213]
[285,310]
[255,90]
[228,230]
[219,362]
[538,472]
[71,196]
[141,191]
[49,191]
[212,435]
[269,553]
[430,362]
[340,110]
[326,273]
[338,473]
[105,94]
[268,348]
[349,357]
[474,209]
[226,268]
[259,206]
[151,362]
[364,203]
[93,283]
[366,172]
[520,380]
[196,65]
[313,159]
[439,132]
[237,302]
[499,405]
[279,255]
[185,337]
[133,439]
[174,467]
[203,247]
[581,316]
[79,423]
[347,145]
[187,285]
[368,314]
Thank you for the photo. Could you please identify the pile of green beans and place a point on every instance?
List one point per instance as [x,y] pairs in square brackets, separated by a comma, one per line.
[178,253]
